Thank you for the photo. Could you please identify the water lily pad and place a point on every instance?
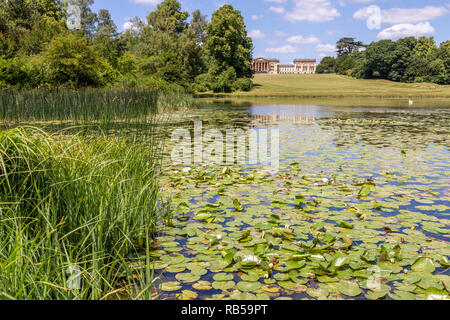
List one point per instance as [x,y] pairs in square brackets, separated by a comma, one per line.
[223,277]
[202,285]
[248,286]
[170,286]
[349,288]
[423,264]
[187,295]
[271,288]
[223,285]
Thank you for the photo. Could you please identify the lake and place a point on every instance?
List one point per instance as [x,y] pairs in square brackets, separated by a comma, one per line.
[351,202]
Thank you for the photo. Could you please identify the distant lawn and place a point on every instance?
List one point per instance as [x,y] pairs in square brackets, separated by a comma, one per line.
[332,85]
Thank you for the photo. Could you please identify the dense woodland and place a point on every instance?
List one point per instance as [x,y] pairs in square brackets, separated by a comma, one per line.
[406,60]
[171,49]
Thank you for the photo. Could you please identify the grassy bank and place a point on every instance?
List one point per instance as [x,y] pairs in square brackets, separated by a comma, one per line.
[78,205]
[331,85]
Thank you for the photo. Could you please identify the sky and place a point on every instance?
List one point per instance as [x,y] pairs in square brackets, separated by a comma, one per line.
[291,29]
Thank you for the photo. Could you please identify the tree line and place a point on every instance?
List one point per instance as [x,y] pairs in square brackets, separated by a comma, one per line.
[405,60]
[169,49]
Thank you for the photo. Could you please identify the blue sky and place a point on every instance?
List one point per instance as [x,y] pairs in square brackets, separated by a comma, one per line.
[289,29]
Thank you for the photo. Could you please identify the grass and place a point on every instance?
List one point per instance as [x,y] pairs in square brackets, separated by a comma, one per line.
[79,204]
[332,85]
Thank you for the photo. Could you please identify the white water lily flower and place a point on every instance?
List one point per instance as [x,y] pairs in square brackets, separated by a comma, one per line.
[266,276]
[287,226]
[251,259]
[339,261]
[176,172]
[219,237]
[392,260]
[187,169]
[325,180]
[271,265]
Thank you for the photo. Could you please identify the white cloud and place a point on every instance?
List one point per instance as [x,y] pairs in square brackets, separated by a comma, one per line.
[151,2]
[326,48]
[276,1]
[361,1]
[312,11]
[301,39]
[256,17]
[256,34]
[406,30]
[280,34]
[127,25]
[282,50]
[279,10]
[404,15]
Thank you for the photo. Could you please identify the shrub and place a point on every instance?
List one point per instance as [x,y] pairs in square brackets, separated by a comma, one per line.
[71,61]
[225,81]
[243,84]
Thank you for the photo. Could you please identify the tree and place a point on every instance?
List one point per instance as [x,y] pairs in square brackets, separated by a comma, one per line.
[71,60]
[227,43]
[106,39]
[327,65]
[425,47]
[170,69]
[348,45]
[380,57]
[402,56]
[191,46]
[88,18]
[168,17]
[198,26]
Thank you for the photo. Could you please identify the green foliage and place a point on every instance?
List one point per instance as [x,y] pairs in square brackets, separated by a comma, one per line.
[227,43]
[38,50]
[225,81]
[71,60]
[348,45]
[168,17]
[126,64]
[243,84]
[407,60]
[327,65]
[345,63]
[170,69]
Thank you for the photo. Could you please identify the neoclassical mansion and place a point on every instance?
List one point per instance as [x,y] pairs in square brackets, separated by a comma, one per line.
[273,66]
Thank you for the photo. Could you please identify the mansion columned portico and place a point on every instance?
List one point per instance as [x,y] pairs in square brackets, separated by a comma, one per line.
[273,66]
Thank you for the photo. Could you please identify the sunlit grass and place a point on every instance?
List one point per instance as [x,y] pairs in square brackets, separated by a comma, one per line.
[332,85]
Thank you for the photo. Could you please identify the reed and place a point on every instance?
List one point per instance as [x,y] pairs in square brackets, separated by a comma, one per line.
[74,202]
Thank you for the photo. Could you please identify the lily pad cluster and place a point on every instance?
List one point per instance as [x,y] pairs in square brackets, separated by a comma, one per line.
[340,220]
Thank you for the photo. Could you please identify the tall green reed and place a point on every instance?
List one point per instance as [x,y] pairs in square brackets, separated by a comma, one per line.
[76,201]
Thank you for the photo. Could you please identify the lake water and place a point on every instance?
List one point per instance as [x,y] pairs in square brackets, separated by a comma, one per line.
[359,207]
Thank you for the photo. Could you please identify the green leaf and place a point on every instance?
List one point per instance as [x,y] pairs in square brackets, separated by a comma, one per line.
[364,191]
[223,277]
[345,224]
[423,264]
[349,288]
[170,286]
[248,286]
[237,205]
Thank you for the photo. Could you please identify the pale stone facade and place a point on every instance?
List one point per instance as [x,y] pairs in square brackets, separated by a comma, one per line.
[273,66]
